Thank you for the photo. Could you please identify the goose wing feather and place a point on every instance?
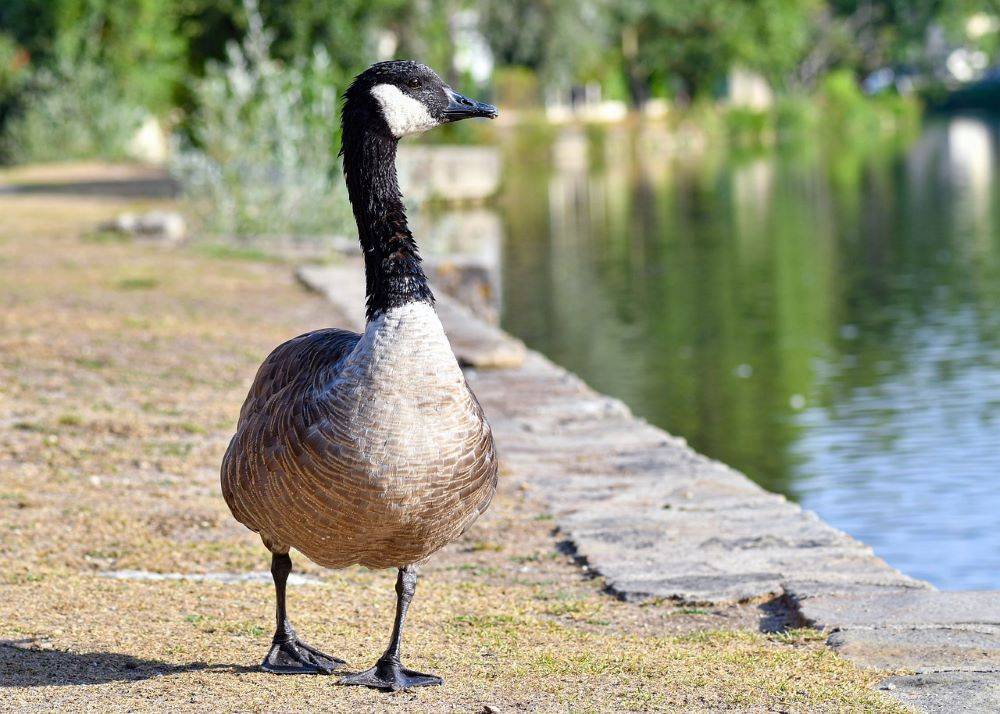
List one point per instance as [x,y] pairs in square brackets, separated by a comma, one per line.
[306,357]
[292,367]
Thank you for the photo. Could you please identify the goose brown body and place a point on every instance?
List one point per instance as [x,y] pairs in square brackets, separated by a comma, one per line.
[362,449]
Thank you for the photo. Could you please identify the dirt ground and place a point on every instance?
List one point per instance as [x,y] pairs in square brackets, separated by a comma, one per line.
[122,369]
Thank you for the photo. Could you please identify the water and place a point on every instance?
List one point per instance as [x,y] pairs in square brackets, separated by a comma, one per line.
[828,323]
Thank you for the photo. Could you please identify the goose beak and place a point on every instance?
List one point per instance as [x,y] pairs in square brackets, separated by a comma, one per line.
[460,107]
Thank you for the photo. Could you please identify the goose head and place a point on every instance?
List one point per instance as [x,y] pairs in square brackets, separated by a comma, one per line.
[404,97]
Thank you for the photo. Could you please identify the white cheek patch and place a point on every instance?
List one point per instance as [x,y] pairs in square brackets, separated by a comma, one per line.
[404,115]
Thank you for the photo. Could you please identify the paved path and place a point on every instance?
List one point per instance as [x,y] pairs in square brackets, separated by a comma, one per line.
[950,640]
[655,519]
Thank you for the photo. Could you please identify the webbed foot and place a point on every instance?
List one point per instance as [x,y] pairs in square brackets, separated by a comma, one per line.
[296,657]
[391,675]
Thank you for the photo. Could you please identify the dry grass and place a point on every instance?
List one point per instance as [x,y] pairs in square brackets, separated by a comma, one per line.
[122,368]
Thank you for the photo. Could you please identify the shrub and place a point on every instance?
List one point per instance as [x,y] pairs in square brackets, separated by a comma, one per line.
[262,159]
[842,98]
[516,88]
[796,118]
[848,114]
[12,65]
[903,112]
[749,128]
[13,73]
[71,113]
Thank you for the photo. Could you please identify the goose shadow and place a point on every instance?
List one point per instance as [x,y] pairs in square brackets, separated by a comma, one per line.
[23,665]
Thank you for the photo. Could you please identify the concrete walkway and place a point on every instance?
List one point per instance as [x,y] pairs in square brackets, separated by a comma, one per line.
[657,520]
[950,640]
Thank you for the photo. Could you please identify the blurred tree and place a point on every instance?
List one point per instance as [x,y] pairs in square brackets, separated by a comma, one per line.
[136,40]
[423,30]
[348,30]
[13,61]
[207,26]
[561,40]
[13,73]
[345,28]
[865,35]
[698,41]
[777,37]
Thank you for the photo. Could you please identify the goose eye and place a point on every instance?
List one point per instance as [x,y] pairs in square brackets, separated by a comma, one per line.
[413,83]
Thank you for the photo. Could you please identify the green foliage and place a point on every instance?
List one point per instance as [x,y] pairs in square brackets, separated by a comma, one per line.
[615,87]
[136,41]
[345,29]
[703,116]
[265,138]
[795,118]
[13,74]
[842,92]
[776,37]
[13,61]
[750,128]
[698,41]
[561,40]
[846,111]
[837,116]
[690,46]
[517,87]
[895,31]
[71,112]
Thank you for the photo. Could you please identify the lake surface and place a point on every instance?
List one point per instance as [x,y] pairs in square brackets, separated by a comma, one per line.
[828,323]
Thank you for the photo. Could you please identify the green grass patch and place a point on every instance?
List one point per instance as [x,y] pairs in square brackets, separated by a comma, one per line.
[232,252]
[189,427]
[105,237]
[245,628]
[31,426]
[91,362]
[137,283]
[482,545]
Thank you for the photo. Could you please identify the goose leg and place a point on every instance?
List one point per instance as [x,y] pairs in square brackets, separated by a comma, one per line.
[289,654]
[388,672]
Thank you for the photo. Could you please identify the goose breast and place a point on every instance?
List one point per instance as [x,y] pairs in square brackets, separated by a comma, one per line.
[365,449]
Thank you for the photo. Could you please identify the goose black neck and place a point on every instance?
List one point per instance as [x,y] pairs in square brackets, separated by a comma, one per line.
[393,272]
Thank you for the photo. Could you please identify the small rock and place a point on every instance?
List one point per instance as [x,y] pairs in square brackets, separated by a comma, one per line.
[166,226]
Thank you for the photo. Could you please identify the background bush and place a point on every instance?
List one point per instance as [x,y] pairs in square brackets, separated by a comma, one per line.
[261,159]
[71,112]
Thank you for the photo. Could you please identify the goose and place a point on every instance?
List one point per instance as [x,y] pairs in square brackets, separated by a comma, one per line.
[367,449]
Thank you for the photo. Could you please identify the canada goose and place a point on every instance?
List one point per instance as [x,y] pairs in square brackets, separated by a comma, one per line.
[367,449]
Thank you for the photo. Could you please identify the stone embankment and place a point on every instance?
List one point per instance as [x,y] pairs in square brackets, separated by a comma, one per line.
[656,520]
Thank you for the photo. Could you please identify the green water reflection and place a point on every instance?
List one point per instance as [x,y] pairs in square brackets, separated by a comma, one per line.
[798,315]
